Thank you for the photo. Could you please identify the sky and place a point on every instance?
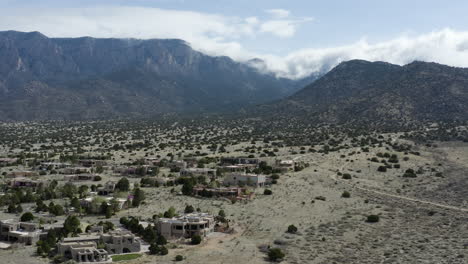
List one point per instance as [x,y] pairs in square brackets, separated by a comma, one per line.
[294,38]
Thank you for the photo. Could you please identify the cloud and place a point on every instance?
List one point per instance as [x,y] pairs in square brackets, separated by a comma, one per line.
[445,46]
[282,28]
[278,13]
[211,33]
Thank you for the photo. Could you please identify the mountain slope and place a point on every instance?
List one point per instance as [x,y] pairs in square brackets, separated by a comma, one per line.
[381,93]
[81,78]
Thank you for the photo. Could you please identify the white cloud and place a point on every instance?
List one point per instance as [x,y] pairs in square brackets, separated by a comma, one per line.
[282,28]
[278,13]
[446,46]
[211,33]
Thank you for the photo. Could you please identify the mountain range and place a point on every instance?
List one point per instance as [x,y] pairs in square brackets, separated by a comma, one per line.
[45,78]
[89,78]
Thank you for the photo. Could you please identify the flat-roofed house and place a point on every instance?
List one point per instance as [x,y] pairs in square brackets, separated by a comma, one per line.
[82,249]
[196,172]
[22,174]
[26,233]
[255,180]
[118,242]
[285,165]
[185,226]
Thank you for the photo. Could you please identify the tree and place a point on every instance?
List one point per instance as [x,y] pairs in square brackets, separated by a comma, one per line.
[71,225]
[164,251]
[267,192]
[373,218]
[69,190]
[26,217]
[196,239]
[56,209]
[346,194]
[154,249]
[75,203]
[382,168]
[123,185]
[19,209]
[189,209]
[292,229]
[179,258]
[170,213]
[187,188]
[138,197]
[83,190]
[275,254]
[347,176]
[161,241]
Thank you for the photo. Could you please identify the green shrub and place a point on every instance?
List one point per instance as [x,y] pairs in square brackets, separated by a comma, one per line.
[179,258]
[373,218]
[26,217]
[382,168]
[347,176]
[275,254]
[292,229]
[196,239]
[267,192]
[346,194]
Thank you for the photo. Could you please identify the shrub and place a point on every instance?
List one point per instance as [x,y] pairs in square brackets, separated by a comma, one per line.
[196,239]
[382,168]
[189,209]
[267,192]
[179,258]
[373,218]
[163,251]
[346,194]
[275,254]
[347,176]
[292,229]
[26,217]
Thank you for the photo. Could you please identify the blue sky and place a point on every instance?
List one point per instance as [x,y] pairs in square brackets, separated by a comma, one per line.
[294,37]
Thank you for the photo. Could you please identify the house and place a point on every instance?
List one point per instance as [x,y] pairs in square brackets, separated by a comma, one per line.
[22,174]
[85,248]
[53,165]
[79,177]
[118,242]
[134,170]
[255,180]
[237,168]
[82,249]
[239,160]
[24,183]
[185,226]
[108,188]
[7,161]
[89,163]
[96,207]
[177,164]
[26,233]
[196,172]
[232,193]
[285,165]
[76,170]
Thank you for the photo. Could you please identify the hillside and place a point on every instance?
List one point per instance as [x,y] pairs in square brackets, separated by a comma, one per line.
[87,78]
[380,93]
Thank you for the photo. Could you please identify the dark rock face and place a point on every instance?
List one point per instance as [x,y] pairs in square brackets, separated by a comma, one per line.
[82,78]
[378,92]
